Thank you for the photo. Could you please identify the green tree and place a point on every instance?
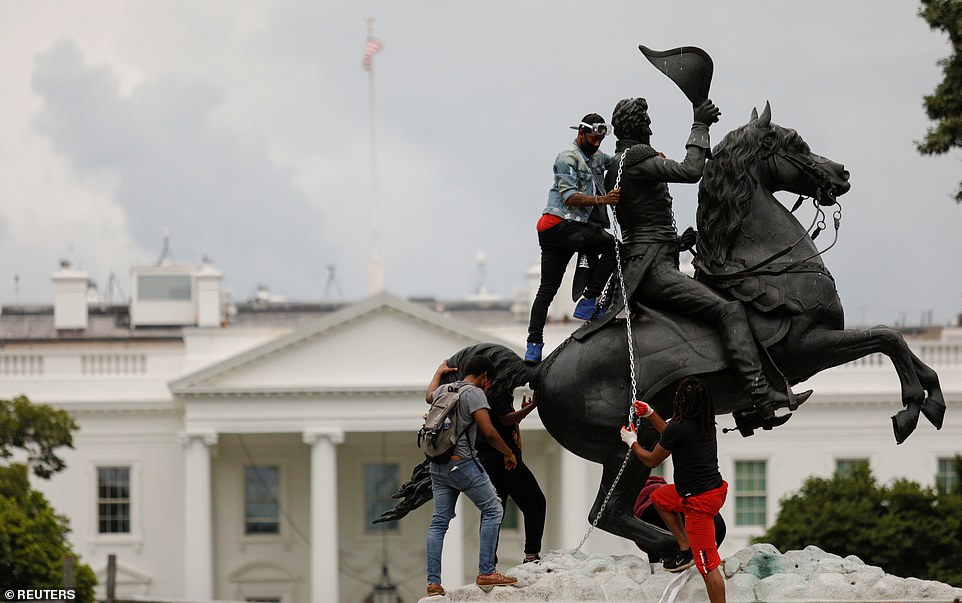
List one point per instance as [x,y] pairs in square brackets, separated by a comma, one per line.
[33,537]
[944,105]
[906,529]
[38,430]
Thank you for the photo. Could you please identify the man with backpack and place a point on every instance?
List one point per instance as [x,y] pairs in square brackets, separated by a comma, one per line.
[461,471]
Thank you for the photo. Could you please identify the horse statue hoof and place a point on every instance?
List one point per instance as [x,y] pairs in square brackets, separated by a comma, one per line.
[905,421]
[934,411]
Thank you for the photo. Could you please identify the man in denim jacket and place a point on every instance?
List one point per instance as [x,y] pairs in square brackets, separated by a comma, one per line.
[574,222]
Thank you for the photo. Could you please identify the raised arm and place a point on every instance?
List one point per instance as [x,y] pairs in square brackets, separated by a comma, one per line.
[443,369]
[515,417]
[646,411]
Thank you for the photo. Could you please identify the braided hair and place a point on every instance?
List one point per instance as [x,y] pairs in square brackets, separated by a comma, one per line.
[693,400]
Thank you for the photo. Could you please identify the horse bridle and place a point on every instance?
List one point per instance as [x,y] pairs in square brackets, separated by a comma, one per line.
[824,189]
[823,185]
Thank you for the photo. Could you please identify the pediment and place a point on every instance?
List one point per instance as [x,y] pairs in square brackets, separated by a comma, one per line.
[380,343]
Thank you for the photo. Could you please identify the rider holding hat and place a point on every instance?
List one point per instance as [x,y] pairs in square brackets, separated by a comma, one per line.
[651,244]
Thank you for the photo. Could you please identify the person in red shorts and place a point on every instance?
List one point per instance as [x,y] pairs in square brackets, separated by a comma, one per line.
[644,509]
[699,490]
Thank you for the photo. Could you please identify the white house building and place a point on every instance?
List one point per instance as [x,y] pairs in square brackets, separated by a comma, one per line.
[240,451]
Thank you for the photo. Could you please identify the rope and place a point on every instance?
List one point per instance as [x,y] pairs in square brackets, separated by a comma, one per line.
[674,587]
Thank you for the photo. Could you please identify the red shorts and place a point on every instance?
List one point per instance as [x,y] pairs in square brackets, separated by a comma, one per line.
[699,511]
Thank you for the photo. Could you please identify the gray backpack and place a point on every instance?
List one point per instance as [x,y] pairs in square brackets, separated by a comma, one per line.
[441,430]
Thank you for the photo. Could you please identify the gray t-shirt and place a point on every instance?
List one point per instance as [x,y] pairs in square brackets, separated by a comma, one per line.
[471,400]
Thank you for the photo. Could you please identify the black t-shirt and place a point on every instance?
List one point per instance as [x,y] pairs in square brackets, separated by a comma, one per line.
[500,406]
[695,458]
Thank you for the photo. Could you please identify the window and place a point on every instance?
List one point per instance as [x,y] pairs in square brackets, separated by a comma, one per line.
[261,505]
[947,478]
[113,500]
[163,287]
[845,465]
[380,482]
[750,493]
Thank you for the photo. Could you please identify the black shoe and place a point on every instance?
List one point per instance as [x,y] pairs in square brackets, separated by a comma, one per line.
[681,561]
[535,558]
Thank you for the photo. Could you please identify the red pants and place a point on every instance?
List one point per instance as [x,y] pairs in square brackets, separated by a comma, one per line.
[699,511]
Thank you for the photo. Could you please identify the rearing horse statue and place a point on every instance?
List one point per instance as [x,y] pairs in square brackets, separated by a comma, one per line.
[750,248]
[754,249]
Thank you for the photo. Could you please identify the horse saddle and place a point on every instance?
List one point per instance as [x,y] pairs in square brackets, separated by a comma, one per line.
[671,346]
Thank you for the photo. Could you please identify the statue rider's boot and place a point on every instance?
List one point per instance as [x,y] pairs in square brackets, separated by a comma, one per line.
[743,355]
[768,400]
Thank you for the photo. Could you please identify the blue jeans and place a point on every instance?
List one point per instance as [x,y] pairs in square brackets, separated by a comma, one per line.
[448,480]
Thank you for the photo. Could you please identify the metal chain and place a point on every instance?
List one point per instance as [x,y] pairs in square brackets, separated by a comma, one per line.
[631,359]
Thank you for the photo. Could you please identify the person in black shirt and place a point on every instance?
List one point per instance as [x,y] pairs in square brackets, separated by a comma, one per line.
[699,490]
[519,483]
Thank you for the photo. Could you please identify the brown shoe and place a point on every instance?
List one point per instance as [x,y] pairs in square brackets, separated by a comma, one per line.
[488,581]
[435,589]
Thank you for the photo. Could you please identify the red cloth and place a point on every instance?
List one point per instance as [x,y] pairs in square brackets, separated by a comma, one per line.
[547,221]
[700,511]
[644,496]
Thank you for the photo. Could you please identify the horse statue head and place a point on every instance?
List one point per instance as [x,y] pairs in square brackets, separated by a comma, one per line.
[749,164]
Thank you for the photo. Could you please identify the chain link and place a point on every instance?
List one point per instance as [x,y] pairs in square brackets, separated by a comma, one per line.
[631,356]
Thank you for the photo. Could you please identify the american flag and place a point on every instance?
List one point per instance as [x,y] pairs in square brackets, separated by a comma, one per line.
[372,47]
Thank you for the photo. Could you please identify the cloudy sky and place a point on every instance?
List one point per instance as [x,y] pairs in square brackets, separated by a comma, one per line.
[243,127]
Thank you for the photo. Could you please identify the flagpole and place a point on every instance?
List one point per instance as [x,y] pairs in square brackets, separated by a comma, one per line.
[376,269]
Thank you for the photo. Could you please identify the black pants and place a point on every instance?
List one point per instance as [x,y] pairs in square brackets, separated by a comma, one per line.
[558,244]
[521,485]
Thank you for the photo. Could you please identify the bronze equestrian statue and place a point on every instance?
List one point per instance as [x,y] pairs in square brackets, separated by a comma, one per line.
[751,250]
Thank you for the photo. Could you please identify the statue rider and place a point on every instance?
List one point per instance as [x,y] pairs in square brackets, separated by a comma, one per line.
[651,242]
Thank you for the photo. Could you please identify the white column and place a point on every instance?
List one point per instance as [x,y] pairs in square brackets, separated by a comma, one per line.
[452,555]
[198,529]
[324,556]
[575,500]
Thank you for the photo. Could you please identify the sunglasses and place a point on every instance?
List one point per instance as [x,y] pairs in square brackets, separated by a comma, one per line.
[596,129]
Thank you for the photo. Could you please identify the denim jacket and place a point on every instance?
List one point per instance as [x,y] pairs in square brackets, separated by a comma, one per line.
[575,173]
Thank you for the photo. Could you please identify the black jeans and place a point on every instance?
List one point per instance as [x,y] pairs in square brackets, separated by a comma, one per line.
[520,484]
[558,244]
